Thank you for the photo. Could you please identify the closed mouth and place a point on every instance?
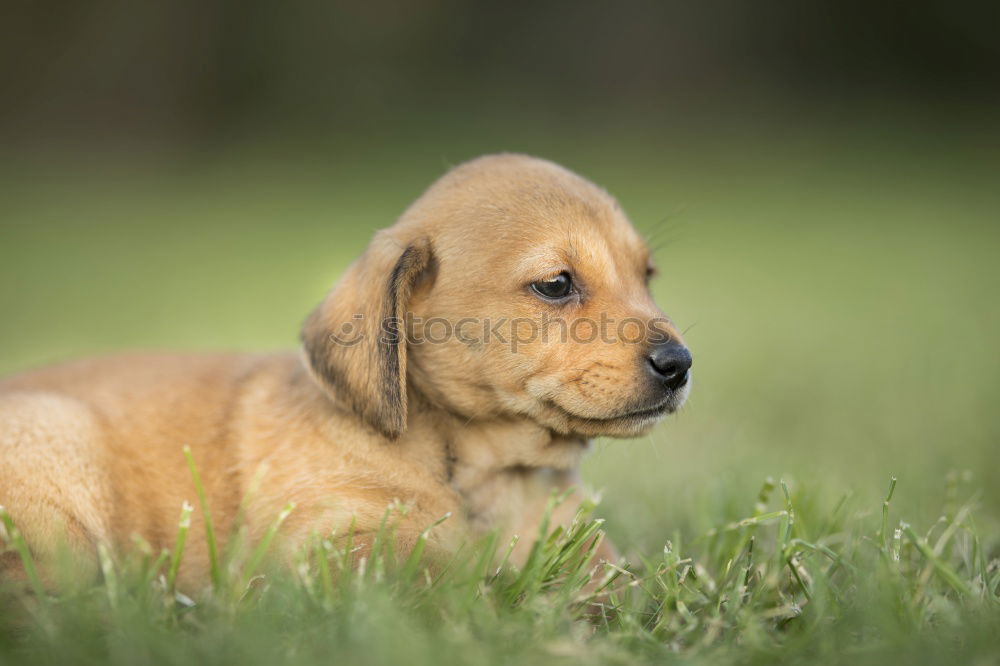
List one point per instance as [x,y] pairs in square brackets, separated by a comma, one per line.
[652,412]
[638,415]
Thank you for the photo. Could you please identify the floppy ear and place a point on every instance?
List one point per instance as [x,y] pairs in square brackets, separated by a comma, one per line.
[355,341]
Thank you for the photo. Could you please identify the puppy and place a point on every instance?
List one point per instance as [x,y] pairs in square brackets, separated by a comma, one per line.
[458,367]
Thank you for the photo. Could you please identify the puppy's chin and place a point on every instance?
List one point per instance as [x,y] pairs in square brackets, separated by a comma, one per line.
[633,423]
[626,426]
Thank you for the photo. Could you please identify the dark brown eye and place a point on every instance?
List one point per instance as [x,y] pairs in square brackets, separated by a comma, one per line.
[558,287]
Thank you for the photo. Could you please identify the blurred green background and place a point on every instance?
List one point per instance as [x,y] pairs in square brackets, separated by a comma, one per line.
[820,183]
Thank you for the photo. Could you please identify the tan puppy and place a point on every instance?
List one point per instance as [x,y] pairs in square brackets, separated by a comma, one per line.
[457,367]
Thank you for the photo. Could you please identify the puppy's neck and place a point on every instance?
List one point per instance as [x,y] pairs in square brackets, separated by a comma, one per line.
[497,466]
[504,444]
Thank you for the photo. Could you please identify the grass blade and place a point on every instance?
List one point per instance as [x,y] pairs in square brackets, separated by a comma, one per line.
[16,539]
[213,556]
[261,549]
[183,525]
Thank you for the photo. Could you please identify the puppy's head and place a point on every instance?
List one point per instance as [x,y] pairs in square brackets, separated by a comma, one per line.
[511,288]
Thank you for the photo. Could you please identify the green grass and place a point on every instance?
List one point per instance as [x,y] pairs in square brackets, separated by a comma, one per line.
[837,283]
[789,582]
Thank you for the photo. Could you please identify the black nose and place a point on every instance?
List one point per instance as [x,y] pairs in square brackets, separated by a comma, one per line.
[671,363]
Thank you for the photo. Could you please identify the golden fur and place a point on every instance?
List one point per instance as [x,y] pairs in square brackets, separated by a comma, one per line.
[90,451]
